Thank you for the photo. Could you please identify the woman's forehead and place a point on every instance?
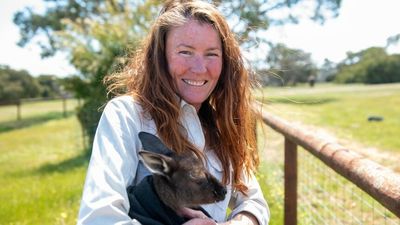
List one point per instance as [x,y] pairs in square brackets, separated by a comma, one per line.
[193,33]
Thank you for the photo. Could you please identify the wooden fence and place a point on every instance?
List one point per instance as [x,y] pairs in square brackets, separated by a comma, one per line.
[377,181]
[18,103]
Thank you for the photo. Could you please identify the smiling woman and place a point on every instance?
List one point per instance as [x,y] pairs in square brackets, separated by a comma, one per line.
[187,85]
[194,56]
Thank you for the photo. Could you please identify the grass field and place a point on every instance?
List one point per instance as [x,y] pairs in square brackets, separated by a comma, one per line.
[42,168]
[43,161]
[343,111]
[35,109]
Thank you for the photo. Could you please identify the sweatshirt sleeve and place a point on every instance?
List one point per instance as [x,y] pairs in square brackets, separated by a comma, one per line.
[112,166]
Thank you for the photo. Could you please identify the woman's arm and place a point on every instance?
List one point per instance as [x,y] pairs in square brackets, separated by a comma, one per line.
[112,167]
[251,208]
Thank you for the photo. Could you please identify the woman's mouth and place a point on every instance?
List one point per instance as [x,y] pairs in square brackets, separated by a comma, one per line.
[196,83]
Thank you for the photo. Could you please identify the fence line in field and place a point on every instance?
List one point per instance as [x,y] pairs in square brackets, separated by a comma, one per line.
[326,183]
[20,102]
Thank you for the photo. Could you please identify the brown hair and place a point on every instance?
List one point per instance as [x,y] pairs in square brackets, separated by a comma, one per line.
[227,116]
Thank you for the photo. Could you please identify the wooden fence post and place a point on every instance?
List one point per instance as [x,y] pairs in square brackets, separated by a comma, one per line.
[290,173]
[64,100]
[18,103]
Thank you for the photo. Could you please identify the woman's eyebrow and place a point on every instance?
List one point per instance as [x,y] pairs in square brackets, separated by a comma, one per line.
[191,47]
[185,46]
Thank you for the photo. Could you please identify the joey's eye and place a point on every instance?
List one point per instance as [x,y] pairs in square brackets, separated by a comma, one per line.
[192,175]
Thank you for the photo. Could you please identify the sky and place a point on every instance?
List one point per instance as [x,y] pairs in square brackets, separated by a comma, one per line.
[360,25]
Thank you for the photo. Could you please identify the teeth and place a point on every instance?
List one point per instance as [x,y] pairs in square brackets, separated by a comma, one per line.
[195,82]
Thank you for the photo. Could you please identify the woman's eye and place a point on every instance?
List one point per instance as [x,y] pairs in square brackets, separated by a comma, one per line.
[213,54]
[185,52]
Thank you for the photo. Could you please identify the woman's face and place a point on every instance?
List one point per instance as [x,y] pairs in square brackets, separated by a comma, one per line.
[194,56]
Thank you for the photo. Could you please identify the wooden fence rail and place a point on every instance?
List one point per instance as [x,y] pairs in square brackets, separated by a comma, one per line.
[19,102]
[379,182]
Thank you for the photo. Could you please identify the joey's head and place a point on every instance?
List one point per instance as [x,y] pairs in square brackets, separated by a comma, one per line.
[181,180]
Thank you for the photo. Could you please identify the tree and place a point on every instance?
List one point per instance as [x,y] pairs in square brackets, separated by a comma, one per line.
[17,84]
[290,65]
[49,86]
[385,71]
[97,34]
[355,67]
[371,66]
[327,71]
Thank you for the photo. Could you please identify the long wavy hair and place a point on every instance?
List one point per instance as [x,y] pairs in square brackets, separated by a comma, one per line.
[226,116]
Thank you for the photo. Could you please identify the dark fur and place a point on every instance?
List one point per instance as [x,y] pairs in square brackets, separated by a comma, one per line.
[179,180]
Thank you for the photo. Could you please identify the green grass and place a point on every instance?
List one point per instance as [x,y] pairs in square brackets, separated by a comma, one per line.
[343,111]
[42,169]
[31,110]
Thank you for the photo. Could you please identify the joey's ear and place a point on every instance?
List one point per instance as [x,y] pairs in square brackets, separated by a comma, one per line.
[152,143]
[157,163]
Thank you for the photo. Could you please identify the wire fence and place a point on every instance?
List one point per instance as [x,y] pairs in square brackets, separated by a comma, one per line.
[323,195]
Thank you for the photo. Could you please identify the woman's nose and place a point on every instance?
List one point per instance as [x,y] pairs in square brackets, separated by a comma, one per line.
[198,65]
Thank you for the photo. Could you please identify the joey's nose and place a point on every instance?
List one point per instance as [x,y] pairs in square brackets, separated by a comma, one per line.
[220,192]
[223,191]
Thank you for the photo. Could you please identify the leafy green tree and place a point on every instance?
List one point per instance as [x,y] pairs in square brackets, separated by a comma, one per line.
[17,84]
[355,67]
[98,34]
[372,66]
[327,71]
[384,71]
[291,65]
[49,86]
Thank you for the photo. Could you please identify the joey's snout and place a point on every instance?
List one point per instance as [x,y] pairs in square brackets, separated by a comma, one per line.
[219,193]
[218,190]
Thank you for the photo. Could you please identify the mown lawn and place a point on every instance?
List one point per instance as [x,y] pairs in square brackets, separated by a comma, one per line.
[42,169]
[34,109]
[343,110]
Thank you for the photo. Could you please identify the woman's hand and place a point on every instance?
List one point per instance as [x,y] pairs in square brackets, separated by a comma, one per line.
[199,218]
[196,217]
[199,221]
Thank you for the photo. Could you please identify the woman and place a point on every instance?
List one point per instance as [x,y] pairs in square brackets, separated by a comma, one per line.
[188,85]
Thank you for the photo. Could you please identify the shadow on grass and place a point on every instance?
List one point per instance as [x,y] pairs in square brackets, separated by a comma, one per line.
[66,165]
[299,100]
[78,161]
[14,125]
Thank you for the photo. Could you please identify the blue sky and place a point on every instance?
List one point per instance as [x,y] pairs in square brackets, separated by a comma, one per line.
[361,24]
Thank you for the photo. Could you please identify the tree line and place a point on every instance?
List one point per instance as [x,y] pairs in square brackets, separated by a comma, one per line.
[291,66]
[99,35]
[18,84]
